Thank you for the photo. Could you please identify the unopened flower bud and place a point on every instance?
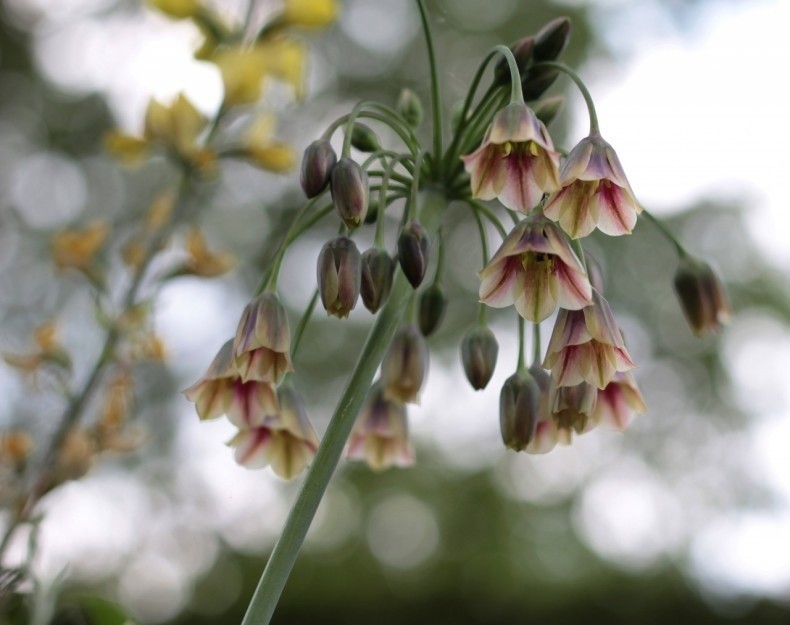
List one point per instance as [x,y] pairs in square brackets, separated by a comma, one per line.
[479,351]
[522,52]
[413,248]
[537,80]
[364,139]
[552,39]
[548,109]
[317,163]
[339,276]
[518,410]
[377,270]
[432,305]
[410,107]
[405,366]
[350,192]
[702,296]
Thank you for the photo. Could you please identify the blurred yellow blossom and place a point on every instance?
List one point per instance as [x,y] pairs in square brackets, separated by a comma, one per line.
[78,248]
[133,253]
[242,74]
[159,211]
[15,448]
[128,149]
[285,60]
[76,453]
[263,150]
[201,261]
[310,13]
[179,9]
[48,350]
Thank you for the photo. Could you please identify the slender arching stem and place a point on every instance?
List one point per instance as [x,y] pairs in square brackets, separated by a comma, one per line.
[536,349]
[436,102]
[478,206]
[666,232]
[594,130]
[299,333]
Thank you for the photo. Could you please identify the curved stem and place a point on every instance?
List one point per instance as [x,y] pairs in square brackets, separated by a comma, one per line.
[436,103]
[405,134]
[477,206]
[662,228]
[582,87]
[299,333]
[285,552]
[383,197]
[483,238]
[516,94]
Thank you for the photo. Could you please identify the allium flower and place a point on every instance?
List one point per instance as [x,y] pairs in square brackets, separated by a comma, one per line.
[535,269]
[263,341]
[284,438]
[516,162]
[702,295]
[380,436]
[616,404]
[595,192]
[586,346]
[572,410]
[405,366]
[546,433]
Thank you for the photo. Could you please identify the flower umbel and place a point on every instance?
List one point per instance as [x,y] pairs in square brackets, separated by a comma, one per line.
[516,162]
[595,192]
[535,269]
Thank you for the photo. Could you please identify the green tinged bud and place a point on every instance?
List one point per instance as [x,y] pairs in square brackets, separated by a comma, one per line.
[552,39]
[479,351]
[433,303]
[339,276]
[350,192]
[702,296]
[317,163]
[518,410]
[413,248]
[364,139]
[547,109]
[405,366]
[410,107]
[537,80]
[377,270]
[522,52]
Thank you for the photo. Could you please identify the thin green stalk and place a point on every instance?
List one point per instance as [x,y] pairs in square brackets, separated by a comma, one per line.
[405,135]
[436,102]
[536,349]
[521,339]
[483,237]
[383,198]
[582,88]
[516,94]
[478,206]
[662,228]
[299,333]
[285,552]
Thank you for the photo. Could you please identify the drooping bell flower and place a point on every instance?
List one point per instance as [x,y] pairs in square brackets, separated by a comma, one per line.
[595,192]
[617,404]
[212,394]
[405,366]
[546,434]
[586,346]
[536,270]
[572,410]
[284,438]
[380,436]
[517,162]
[262,346]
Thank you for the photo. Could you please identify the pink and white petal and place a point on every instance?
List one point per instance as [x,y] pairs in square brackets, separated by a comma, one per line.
[571,366]
[487,171]
[601,323]
[535,295]
[601,362]
[575,291]
[520,191]
[617,173]
[622,359]
[253,404]
[289,455]
[579,216]
[211,397]
[561,247]
[498,281]
[545,438]
[516,123]
[575,164]
[616,211]
[546,168]
[252,447]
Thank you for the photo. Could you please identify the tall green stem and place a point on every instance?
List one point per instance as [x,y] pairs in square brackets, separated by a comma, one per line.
[582,88]
[436,102]
[271,584]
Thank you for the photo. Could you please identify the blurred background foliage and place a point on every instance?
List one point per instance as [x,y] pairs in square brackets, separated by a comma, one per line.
[607,530]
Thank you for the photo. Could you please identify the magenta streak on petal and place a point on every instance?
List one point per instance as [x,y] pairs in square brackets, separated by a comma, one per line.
[260,437]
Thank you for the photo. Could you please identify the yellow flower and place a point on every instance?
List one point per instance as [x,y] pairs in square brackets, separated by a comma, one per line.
[133,253]
[128,149]
[201,261]
[285,60]
[310,13]
[265,152]
[159,212]
[15,448]
[242,74]
[177,126]
[180,9]
[78,248]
